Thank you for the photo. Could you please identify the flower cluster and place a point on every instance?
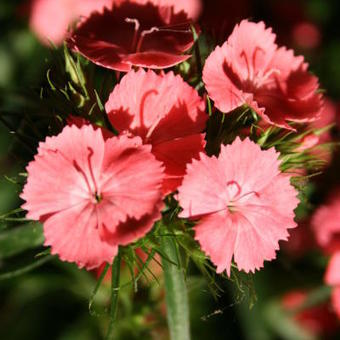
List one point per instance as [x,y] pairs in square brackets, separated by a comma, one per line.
[94,191]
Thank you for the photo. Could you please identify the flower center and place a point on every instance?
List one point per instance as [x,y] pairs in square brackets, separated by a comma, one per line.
[235,194]
[98,197]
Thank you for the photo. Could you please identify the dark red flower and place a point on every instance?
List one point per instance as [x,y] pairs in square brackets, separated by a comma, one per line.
[134,34]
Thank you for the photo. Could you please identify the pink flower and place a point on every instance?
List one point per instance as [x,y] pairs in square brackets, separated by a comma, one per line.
[243,202]
[92,195]
[326,225]
[134,34]
[317,320]
[332,278]
[191,7]
[166,113]
[306,35]
[250,69]
[50,19]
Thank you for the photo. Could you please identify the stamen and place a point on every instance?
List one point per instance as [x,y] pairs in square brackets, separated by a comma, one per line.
[143,34]
[247,194]
[267,75]
[231,185]
[135,35]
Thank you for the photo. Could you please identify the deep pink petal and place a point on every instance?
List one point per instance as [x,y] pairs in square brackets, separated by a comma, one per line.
[175,155]
[133,229]
[222,83]
[131,186]
[163,107]
[154,59]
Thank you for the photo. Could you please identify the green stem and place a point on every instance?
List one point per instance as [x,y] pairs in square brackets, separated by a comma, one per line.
[24,270]
[175,292]
[115,281]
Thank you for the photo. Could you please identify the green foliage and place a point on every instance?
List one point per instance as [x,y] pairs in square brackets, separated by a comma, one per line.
[17,240]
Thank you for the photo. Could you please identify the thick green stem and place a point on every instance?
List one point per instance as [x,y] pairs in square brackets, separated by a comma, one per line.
[114,294]
[175,292]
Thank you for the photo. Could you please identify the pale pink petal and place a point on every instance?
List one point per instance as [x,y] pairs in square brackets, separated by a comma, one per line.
[252,48]
[284,62]
[83,147]
[50,188]
[258,167]
[73,235]
[203,190]
[50,19]
[46,191]
[216,234]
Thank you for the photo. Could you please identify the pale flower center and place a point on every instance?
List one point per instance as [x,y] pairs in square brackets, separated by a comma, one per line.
[235,194]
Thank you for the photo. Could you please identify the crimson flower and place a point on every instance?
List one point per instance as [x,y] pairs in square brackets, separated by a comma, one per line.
[130,34]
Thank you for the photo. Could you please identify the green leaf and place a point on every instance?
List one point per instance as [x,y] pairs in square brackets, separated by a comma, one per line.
[19,239]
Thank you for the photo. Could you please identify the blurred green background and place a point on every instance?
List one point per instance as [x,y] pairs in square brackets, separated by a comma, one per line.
[51,302]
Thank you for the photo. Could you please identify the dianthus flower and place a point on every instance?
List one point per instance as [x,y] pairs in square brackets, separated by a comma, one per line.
[165,112]
[92,194]
[249,68]
[243,203]
[50,19]
[318,320]
[134,34]
[332,278]
[325,224]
